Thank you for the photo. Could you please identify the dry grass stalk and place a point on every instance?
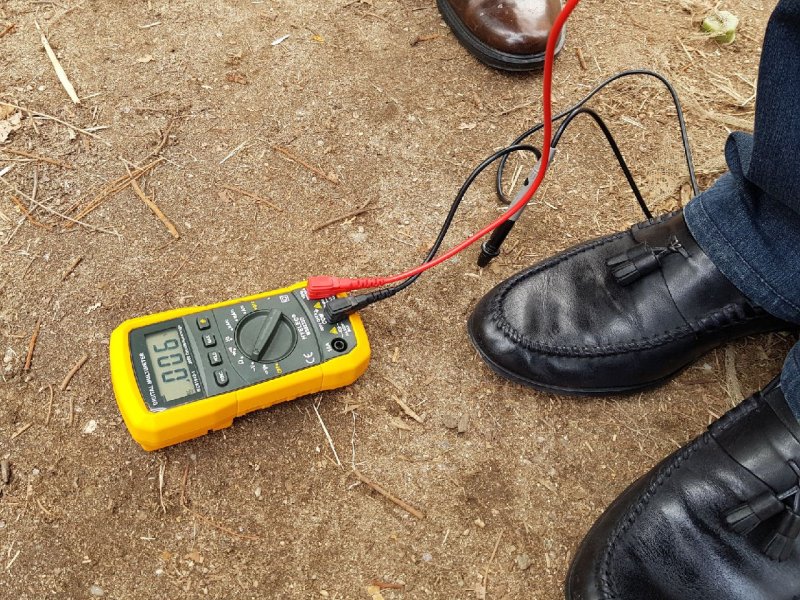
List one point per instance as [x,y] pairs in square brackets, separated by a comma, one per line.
[732,377]
[112,188]
[21,430]
[37,158]
[327,436]
[60,73]
[7,30]
[42,115]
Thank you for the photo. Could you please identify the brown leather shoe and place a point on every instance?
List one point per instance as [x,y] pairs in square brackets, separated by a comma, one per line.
[505,34]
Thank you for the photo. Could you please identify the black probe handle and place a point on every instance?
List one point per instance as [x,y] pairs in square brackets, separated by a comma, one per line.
[490,249]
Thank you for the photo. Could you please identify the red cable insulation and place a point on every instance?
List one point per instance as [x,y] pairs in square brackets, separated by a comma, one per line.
[323,286]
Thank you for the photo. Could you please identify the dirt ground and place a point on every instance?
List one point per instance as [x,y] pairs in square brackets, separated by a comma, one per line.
[380,98]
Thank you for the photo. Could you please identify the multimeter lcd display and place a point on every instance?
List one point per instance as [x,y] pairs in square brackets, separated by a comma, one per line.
[169,364]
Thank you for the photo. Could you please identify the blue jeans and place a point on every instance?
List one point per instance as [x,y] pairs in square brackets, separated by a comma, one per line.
[748,222]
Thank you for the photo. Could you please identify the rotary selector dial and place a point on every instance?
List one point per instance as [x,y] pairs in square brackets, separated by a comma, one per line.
[265,336]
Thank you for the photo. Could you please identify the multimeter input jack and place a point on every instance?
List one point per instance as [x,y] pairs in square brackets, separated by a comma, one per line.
[339,345]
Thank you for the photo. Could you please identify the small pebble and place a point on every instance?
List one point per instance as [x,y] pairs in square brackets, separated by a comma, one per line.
[427,557]
[523,561]
[463,423]
[451,421]
[96,591]
[480,523]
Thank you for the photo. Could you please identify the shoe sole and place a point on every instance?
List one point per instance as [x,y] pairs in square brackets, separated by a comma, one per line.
[565,391]
[592,392]
[504,61]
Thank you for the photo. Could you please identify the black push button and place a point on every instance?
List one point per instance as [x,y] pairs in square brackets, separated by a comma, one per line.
[209,340]
[203,323]
[221,377]
[214,358]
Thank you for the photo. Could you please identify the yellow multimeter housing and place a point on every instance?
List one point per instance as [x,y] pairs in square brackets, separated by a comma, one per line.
[181,373]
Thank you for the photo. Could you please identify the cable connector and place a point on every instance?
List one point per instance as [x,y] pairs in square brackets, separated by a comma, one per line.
[339,309]
[323,286]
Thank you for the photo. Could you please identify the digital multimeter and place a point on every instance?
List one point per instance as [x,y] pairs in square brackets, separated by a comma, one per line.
[182,373]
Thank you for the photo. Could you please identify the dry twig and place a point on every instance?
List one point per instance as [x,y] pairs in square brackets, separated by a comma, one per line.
[581,59]
[256,197]
[164,141]
[49,407]
[491,560]
[32,345]
[114,187]
[389,496]
[71,268]
[153,207]
[425,38]
[72,371]
[8,29]
[27,214]
[215,525]
[317,171]
[359,211]
[408,410]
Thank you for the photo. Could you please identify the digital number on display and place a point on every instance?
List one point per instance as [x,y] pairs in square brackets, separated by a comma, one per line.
[169,364]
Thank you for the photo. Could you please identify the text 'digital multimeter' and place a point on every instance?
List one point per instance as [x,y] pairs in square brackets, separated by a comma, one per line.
[182,373]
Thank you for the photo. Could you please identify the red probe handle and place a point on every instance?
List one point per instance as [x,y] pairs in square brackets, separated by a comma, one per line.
[324,286]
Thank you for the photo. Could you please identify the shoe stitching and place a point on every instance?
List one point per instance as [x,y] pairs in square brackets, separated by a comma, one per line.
[689,330]
[606,575]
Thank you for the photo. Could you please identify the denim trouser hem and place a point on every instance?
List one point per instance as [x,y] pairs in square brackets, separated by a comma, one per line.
[727,258]
[753,239]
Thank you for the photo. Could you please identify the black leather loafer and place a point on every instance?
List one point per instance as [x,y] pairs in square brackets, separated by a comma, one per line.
[615,315]
[717,520]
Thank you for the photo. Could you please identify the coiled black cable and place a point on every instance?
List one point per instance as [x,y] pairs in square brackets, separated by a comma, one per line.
[339,308]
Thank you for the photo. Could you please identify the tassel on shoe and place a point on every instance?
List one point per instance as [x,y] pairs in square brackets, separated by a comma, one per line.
[745,518]
[779,547]
[641,260]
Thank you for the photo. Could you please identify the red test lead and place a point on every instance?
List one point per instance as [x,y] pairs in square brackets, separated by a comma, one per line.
[324,286]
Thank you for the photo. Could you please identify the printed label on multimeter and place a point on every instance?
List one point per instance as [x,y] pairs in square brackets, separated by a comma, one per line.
[227,348]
